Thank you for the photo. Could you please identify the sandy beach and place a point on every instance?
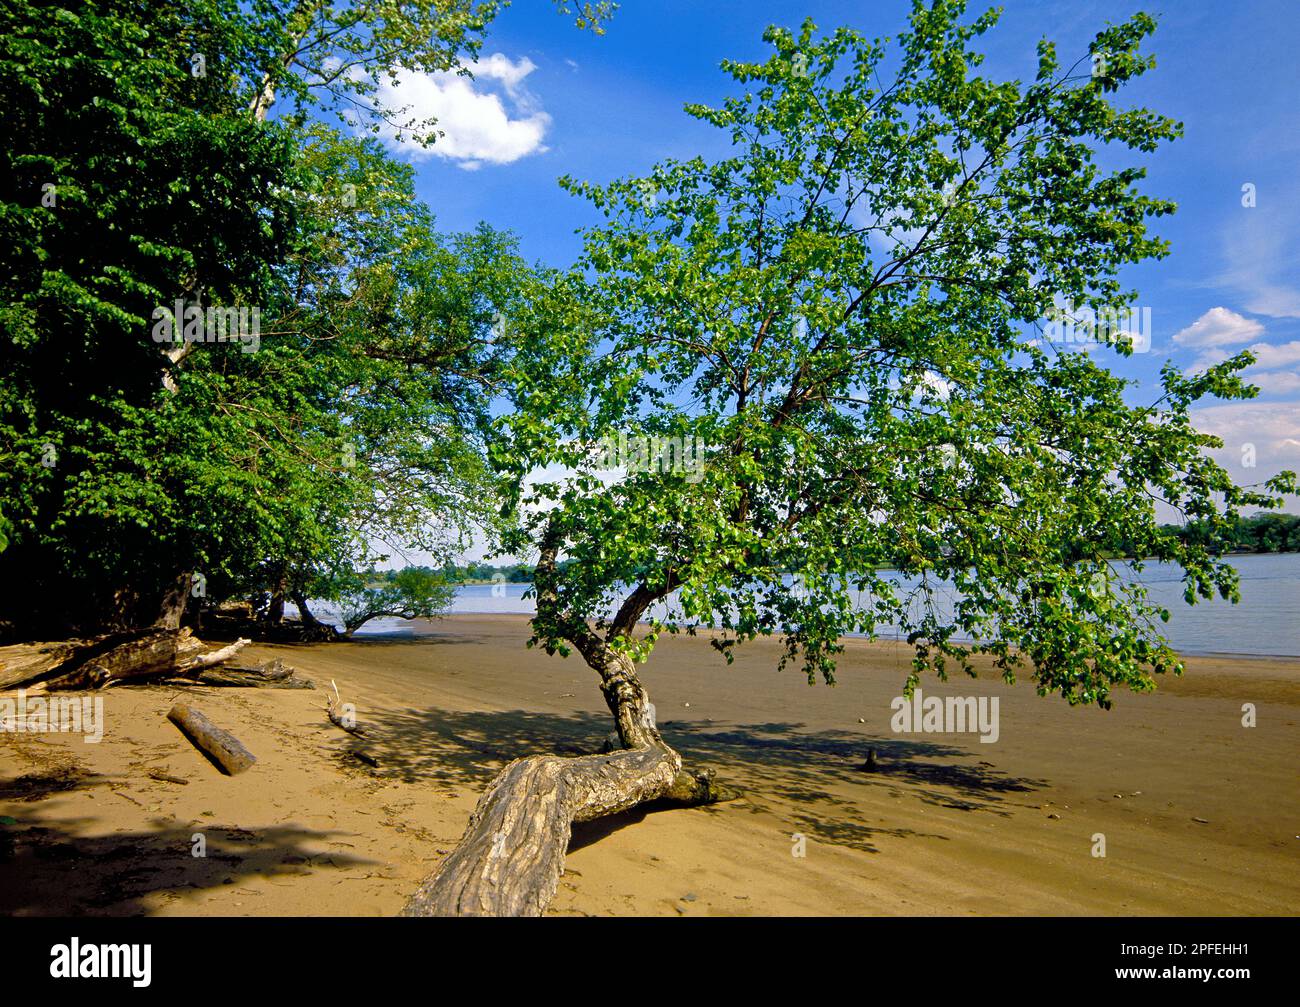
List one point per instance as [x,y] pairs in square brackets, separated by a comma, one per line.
[1199,814]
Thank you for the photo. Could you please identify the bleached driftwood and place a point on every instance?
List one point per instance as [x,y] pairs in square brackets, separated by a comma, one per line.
[222,746]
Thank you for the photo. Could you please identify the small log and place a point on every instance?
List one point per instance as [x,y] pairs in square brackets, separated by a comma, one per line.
[158,774]
[222,746]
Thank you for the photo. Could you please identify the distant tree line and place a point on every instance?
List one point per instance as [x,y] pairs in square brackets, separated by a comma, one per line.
[1257,533]
[485,573]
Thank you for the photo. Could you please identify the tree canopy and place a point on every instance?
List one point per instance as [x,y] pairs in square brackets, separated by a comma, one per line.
[346,425]
[846,312]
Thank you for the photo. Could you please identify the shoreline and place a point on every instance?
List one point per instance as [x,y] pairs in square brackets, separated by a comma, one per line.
[414,631]
[1197,811]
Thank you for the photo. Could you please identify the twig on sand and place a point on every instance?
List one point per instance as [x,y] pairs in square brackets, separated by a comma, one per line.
[345,720]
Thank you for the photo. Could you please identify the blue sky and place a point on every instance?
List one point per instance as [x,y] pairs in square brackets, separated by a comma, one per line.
[549,99]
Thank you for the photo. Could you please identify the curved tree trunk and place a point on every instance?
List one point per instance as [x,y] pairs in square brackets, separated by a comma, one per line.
[511,857]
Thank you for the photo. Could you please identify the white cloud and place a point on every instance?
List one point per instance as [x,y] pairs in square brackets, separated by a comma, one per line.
[498,67]
[1265,434]
[476,124]
[1219,327]
[1283,355]
[1263,260]
[1266,356]
[1276,382]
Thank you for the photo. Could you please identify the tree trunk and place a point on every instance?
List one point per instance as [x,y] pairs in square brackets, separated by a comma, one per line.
[304,613]
[275,610]
[511,857]
[172,608]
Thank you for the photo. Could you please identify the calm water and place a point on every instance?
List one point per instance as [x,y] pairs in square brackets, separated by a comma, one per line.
[1267,621]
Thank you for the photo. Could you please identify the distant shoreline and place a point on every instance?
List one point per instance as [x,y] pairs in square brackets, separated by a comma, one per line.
[428,627]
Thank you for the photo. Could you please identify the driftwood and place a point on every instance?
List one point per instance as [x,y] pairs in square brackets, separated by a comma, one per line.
[155,654]
[212,658]
[152,653]
[332,707]
[268,675]
[26,662]
[221,746]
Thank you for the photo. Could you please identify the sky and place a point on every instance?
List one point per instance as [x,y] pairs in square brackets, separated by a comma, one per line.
[548,99]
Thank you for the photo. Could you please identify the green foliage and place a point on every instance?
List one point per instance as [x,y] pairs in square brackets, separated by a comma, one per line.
[355,428]
[412,593]
[840,311]
[1259,533]
[122,189]
[593,14]
[376,375]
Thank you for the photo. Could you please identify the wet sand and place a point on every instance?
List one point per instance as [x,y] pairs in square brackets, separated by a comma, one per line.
[1199,814]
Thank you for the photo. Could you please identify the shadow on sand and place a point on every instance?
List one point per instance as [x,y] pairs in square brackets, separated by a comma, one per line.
[811,778]
[114,873]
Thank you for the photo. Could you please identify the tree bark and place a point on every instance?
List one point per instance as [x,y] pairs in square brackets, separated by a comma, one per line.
[510,860]
[222,746]
[155,654]
[511,857]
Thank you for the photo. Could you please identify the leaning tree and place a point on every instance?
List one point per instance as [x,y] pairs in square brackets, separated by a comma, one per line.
[848,312]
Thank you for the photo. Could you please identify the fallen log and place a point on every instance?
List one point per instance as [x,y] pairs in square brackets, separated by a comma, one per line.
[268,675]
[221,746]
[25,662]
[156,654]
